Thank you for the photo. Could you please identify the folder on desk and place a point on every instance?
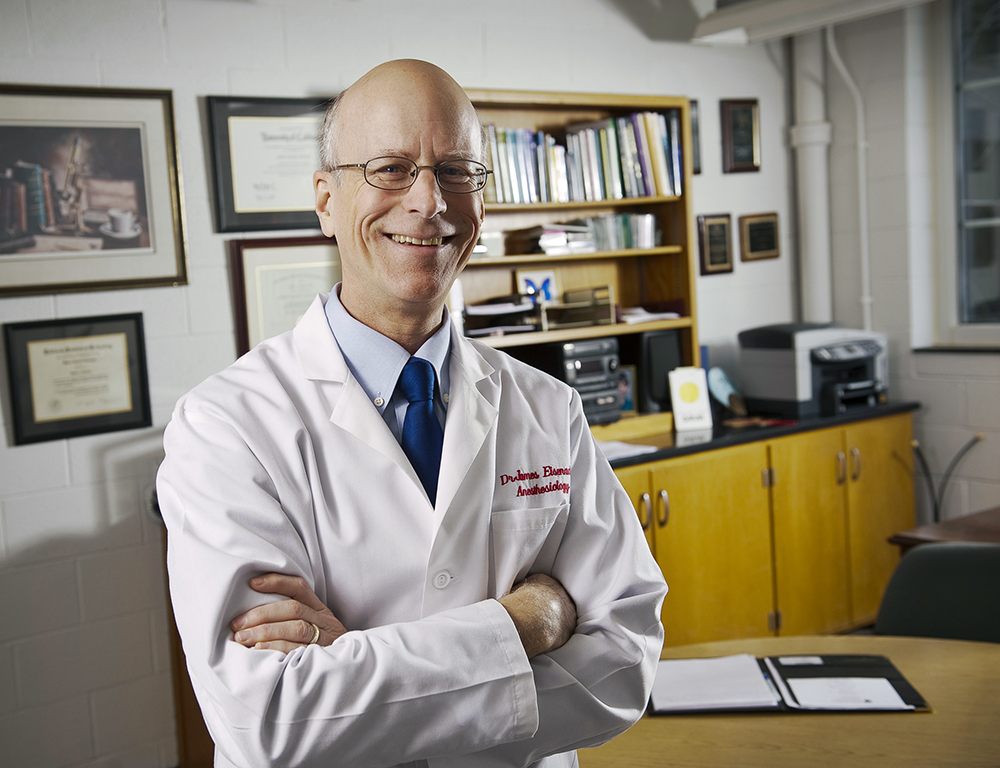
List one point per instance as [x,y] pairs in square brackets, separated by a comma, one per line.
[830,682]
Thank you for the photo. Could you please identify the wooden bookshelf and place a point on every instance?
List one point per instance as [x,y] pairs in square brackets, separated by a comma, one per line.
[637,276]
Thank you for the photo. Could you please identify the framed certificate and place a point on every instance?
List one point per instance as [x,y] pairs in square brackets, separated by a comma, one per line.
[740,135]
[265,152]
[715,244]
[75,377]
[759,237]
[89,190]
[276,280]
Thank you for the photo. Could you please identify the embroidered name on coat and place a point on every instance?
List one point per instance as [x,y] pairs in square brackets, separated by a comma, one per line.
[527,486]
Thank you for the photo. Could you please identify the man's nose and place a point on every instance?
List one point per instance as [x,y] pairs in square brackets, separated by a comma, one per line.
[424,195]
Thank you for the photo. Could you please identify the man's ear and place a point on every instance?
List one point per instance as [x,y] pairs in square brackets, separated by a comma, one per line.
[323,188]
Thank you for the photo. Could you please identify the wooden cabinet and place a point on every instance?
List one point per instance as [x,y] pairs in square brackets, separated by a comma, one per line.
[637,276]
[780,536]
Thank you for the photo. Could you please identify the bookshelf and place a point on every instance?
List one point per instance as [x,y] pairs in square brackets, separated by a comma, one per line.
[664,273]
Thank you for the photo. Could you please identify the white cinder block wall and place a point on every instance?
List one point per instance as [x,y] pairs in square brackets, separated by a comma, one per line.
[894,60]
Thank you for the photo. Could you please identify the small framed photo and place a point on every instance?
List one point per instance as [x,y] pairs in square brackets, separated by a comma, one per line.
[540,284]
[90,197]
[275,281]
[740,135]
[264,154]
[759,237]
[78,376]
[626,389]
[715,243]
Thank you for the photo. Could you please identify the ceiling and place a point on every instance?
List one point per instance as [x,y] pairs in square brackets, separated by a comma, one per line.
[743,22]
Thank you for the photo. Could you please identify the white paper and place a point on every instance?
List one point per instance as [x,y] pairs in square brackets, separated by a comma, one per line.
[846,693]
[798,661]
[615,449]
[727,682]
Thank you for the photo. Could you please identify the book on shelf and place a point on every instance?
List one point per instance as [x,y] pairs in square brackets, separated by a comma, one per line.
[614,158]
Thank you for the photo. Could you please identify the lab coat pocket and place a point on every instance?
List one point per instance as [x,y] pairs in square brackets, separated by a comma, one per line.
[525,541]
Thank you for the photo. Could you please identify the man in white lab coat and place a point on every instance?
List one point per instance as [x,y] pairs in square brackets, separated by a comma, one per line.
[335,608]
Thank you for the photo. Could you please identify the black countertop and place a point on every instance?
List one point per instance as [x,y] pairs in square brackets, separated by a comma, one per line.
[724,437]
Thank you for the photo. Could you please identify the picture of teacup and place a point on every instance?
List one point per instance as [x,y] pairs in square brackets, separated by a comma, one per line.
[122,220]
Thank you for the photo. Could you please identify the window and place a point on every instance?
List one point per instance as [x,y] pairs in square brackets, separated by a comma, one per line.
[977,107]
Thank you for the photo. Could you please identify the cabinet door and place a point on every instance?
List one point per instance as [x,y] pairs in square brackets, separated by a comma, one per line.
[713,543]
[880,503]
[636,481]
[810,532]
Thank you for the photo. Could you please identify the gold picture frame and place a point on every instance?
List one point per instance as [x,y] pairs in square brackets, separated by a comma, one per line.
[715,243]
[759,237]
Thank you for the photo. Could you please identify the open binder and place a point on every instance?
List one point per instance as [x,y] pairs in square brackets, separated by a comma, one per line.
[743,683]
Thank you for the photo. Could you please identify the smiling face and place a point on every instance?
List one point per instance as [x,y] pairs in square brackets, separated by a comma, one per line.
[401,249]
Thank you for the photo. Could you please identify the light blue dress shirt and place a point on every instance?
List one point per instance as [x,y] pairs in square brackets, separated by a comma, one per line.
[376,362]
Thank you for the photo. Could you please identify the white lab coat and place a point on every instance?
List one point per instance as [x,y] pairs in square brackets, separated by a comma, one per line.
[281,463]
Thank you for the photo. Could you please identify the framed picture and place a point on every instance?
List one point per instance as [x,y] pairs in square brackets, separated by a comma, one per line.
[715,246]
[264,154]
[78,376]
[626,389]
[695,139]
[540,284]
[276,281]
[89,193]
[740,135]
[759,237]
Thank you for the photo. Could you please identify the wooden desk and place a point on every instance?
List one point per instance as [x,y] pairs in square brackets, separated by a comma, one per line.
[979,526]
[960,680]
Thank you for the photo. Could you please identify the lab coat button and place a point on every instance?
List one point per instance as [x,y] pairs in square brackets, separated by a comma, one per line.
[442,579]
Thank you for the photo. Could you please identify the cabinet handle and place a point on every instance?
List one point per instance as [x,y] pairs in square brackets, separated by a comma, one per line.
[645,511]
[665,507]
[856,459]
[841,468]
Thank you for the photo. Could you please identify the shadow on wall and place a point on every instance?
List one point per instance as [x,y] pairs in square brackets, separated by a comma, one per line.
[85,625]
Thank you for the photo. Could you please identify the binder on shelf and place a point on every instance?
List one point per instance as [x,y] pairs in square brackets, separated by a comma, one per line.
[791,683]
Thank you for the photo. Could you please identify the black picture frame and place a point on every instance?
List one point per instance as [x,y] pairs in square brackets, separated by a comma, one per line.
[90,196]
[275,280]
[253,138]
[715,243]
[695,138]
[759,237]
[77,376]
[740,135]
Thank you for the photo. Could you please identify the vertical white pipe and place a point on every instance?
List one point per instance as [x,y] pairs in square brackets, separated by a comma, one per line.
[811,138]
[862,142]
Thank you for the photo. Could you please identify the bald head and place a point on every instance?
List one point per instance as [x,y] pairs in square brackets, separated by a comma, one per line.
[402,83]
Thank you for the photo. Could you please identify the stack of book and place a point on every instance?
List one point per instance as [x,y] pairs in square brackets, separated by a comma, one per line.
[607,232]
[637,155]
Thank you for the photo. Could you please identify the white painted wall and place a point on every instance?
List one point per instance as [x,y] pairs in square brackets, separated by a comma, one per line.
[894,60]
[84,665]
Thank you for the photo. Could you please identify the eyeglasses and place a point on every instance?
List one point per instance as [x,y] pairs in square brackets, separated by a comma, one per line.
[462,176]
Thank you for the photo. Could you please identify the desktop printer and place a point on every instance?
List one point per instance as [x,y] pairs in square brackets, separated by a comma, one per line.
[805,370]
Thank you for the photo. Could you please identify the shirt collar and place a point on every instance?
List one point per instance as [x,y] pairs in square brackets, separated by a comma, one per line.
[376,360]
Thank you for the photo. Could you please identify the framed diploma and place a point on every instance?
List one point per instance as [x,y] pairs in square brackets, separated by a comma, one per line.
[276,281]
[740,135]
[265,152]
[89,190]
[715,243]
[76,377]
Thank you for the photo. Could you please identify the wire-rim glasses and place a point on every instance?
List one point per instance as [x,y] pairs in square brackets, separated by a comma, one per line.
[392,173]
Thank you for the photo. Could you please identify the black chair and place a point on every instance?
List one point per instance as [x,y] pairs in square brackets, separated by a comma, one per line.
[944,589]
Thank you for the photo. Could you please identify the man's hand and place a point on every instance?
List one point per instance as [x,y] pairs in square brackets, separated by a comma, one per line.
[542,611]
[287,624]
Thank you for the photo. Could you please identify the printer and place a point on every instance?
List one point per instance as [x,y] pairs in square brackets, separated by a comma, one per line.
[805,370]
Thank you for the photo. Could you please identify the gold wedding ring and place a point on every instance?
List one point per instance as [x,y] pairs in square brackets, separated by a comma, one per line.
[315,636]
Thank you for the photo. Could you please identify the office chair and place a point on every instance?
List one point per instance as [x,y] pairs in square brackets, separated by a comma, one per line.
[944,589]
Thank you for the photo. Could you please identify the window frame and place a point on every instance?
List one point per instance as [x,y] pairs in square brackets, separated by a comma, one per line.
[949,330]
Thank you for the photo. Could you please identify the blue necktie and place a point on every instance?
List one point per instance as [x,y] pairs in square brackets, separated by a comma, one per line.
[422,435]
